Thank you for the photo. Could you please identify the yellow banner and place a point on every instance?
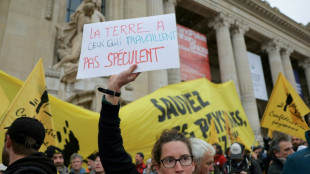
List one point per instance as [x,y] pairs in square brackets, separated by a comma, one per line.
[32,101]
[4,102]
[213,137]
[189,107]
[76,128]
[285,110]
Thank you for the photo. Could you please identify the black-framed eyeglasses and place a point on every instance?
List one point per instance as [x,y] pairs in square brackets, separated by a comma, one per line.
[171,162]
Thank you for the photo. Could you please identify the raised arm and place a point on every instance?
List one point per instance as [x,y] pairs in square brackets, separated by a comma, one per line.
[117,81]
[113,156]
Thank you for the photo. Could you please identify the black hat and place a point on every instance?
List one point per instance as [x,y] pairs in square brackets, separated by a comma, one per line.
[256,147]
[92,157]
[51,150]
[27,127]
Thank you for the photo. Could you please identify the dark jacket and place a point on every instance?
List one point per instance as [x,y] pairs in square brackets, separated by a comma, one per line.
[299,162]
[276,167]
[248,165]
[113,156]
[37,163]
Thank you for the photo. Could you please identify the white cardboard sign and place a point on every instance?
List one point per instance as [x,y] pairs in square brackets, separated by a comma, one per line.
[112,47]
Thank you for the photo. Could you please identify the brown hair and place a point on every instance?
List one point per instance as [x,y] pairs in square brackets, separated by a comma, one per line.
[21,149]
[165,137]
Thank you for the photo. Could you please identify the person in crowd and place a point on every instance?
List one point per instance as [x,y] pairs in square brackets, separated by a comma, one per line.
[259,156]
[57,156]
[91,164]
[149,168]
[172,152]
[219,158]
[227,153]
[139,162]
[23,140]
[239,162]
[280,150]
[98,166]
[76,161]
[296,142]
[299,161]
[203,155]
[2,168]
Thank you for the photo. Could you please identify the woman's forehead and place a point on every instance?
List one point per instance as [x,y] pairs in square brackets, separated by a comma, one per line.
[174,149]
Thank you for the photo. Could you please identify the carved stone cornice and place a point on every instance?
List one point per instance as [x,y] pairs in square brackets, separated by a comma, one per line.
[49,9]
[304,63]
[52,73]
[239,27]
[272,46]
[275,17]
[287,49]
[221,20]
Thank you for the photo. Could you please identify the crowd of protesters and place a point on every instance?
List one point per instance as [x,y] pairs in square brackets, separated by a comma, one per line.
[173,152]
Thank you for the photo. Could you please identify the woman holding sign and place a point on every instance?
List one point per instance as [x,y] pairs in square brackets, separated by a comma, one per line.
[172,152]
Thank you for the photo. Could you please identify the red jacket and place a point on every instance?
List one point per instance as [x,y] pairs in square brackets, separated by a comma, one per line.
[140,167]
[219,160]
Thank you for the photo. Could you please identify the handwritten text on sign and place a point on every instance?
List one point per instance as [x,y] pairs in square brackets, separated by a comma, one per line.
[111,47]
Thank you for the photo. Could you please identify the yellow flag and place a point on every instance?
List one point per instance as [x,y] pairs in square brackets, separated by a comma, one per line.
[229,129]
[285,110]
[4,102]
[69,121]
[213,137]
[239,140]
[32,101]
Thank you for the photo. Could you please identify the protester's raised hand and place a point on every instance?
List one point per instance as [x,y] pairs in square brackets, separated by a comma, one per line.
[119,80]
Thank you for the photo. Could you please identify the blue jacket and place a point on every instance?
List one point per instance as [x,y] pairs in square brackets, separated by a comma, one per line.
[298,162]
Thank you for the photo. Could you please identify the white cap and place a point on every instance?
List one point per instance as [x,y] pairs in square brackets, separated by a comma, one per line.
[2,167]
[236,150]
[149,161]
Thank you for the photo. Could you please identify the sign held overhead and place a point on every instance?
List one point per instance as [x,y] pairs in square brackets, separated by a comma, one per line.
[111,47]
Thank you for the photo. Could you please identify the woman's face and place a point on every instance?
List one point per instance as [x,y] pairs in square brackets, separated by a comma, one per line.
[98,166]
[175,150]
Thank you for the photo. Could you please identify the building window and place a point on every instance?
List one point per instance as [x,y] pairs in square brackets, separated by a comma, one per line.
[72,5]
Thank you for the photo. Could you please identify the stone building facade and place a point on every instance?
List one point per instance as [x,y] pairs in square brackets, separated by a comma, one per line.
[233,27]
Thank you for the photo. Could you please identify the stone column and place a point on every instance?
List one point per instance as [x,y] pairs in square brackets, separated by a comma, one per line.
[273,50]
[221,24]
[287,65]
[159,78]
[114,9]
[276,66]
[155,7]
[306,65]
[169,6]
[244,74]
[174,75]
